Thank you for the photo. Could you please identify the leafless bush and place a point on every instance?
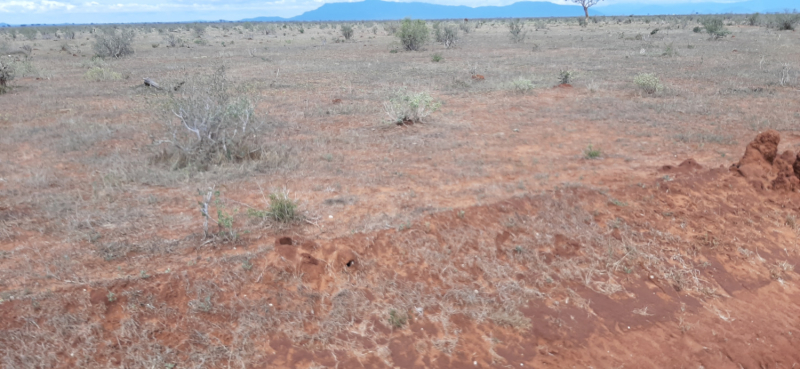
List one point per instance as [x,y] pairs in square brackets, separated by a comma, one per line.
[516,31]
[114,44]
[6,74]
[173,41]
[210,122]
[447,34]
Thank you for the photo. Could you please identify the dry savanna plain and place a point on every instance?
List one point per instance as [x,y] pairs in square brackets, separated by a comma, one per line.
[283,197]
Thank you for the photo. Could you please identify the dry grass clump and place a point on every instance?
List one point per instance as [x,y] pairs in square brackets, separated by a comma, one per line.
[98,74]
[409,107]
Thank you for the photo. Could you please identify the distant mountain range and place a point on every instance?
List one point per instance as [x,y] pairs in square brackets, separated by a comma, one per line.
[5,25]
[386,10]
[743,7]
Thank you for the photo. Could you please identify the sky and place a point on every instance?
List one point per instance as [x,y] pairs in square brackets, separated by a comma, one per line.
[127,11]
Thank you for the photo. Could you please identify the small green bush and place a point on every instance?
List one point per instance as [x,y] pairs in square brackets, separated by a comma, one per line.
[98,74]
[347,31]
[697,29]
[405,107]
[592,153]
[436,58]
[648,83]
[413,34]
[565,77]
[715,27]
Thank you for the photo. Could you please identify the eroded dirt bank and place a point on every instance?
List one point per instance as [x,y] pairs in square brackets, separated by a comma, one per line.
[693,268]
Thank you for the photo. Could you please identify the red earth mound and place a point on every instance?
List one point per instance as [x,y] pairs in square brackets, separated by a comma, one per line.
[764,169]
[687,166]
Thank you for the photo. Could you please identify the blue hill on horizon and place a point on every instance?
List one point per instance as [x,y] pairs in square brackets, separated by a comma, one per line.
[386,10]
[743,7]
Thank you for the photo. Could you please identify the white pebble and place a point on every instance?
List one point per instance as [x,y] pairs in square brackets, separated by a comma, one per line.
[475,363]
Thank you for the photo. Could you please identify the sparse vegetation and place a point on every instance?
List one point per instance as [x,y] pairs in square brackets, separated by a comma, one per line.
[127,241]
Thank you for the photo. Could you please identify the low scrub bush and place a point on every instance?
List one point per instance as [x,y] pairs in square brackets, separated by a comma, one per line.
[209,121]
[516,31]
[786,21]
[648,83]
[753,19]
[447,34]
[6,75]
[347,32]
[405,107]
[413,34]
[101,74]
[715,27]
[114,43]
[522,85]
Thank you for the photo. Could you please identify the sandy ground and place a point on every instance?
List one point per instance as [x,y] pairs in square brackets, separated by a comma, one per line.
[487,235]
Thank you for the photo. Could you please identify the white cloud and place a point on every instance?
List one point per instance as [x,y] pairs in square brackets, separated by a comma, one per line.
[33,6]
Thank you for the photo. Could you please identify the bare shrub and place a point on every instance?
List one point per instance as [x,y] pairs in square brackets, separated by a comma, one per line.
[210,121]
[347,31]
[114,44]
[516,30]
[173,41]
[6,75]
[447,34]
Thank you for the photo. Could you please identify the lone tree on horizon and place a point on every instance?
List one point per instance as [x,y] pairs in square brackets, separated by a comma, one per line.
[586,4]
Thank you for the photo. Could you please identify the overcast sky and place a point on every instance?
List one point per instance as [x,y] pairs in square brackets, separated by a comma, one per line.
[113,11]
